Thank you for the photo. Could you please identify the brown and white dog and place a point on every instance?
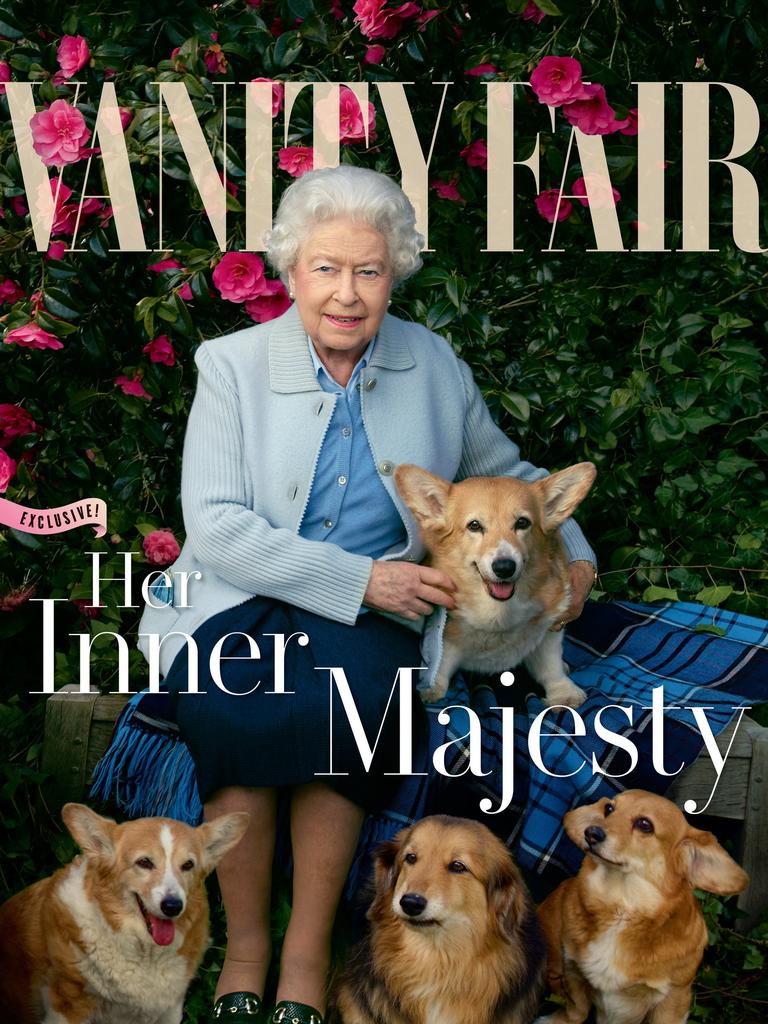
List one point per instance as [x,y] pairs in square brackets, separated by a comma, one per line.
[453,936]
[497,538]
[115,936]
[626,934]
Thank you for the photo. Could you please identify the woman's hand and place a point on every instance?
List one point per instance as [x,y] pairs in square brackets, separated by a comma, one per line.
[408,589]
[582,577]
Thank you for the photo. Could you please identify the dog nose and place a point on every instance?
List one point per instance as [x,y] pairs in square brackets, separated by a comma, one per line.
[171,906]
[413,904]
[504,568]
[594,835]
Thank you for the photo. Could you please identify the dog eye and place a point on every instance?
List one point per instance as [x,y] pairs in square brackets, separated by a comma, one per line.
[187,865]
[475,526]
[146,863]
[643,825]
[608,809]
[522,523]
[410,858]
[457,867]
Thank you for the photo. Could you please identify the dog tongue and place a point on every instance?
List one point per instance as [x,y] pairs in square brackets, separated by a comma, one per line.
[501,591]
[162,930]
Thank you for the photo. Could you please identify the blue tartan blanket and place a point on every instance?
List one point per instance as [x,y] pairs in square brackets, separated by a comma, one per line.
[619,653]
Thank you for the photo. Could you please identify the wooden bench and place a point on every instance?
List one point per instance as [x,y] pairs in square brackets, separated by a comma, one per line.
[78,727]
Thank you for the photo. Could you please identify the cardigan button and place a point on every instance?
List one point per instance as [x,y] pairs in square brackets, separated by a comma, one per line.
[370,384]
[386,467]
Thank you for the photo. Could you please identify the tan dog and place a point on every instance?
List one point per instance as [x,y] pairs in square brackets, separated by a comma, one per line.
[453,936]
[627,933]
[115,936]
[497,538]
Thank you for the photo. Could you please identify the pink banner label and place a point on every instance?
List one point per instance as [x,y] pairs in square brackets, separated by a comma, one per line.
[88,512]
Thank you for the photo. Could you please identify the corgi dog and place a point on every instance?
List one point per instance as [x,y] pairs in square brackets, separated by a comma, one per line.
[497,538]
[115,936]
[626,934]
[453,935]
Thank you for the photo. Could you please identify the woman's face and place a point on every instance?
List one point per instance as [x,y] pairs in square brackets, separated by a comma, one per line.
[341,282]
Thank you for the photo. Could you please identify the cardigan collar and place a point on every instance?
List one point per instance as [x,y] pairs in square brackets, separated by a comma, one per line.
[290,362]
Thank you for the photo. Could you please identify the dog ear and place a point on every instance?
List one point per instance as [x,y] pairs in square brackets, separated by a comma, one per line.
[93,834]
[384,874]
[564,491]
[506,897]
[424,494]
[707,866]
[220,835]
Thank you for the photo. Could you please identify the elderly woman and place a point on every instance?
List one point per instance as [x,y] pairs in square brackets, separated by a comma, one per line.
[295,526]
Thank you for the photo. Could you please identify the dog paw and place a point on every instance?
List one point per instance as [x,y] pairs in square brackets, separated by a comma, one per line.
[565,692]
[433,694]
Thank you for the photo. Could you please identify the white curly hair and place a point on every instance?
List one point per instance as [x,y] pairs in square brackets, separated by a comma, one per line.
[345,191]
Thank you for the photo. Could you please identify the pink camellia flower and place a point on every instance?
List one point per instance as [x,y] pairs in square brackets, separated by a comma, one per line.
[32,336]
[272,302]
[603,193]
[59,134]
[533,13]
[557,80]
[16,597]
[215,60]
[296,160]
[239,276]
[337,11]
[447,190]
[161,547]
[15,422]
[476,154]
[424,19]
[132,386]
[546,204]
[126,116]
[481,69]
[378,22]
[160,350]
[231,186]
[5,75]
[7,470]
[56,251]
[374,54]
[351,124]
[10,291]
[19,206]
[84,606]
[277,94]
[592,115]
[73,54]
[632,126]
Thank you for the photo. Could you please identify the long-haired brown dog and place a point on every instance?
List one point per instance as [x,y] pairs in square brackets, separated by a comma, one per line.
[626,934]
[453,936]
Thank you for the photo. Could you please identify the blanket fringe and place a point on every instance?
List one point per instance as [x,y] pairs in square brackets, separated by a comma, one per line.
[147,772]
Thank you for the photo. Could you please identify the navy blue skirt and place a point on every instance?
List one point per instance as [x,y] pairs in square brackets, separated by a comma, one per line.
[253,736]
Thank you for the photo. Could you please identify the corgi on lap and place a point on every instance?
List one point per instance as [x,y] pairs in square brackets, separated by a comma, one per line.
[498,539]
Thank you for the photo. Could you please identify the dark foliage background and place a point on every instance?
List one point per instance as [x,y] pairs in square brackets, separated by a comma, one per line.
[651,365]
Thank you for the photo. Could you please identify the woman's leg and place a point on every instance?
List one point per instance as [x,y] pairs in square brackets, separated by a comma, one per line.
[324,832]
[245,880]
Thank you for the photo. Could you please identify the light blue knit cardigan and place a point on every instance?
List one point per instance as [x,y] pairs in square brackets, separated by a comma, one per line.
[255,429]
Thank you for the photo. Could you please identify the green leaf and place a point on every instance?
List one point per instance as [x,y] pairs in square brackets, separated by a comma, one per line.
[654,593]
[714,595]
[517,405]
[287,49]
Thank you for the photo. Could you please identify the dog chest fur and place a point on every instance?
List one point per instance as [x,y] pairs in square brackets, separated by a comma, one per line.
[138,981]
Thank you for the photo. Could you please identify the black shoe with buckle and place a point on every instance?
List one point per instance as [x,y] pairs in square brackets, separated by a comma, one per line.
[237,1008]
[288,1012]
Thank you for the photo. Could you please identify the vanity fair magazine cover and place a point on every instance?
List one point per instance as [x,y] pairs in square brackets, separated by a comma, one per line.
[589,179]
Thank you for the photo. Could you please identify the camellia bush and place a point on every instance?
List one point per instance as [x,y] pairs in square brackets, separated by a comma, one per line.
[650,364]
